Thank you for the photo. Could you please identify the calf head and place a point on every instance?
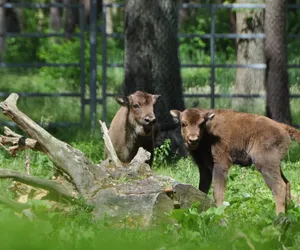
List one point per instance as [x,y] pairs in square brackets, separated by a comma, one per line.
[141,115]
[193,123]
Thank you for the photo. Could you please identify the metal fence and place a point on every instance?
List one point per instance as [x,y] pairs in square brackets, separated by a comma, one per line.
[95,30]
[80,64]
[212,36]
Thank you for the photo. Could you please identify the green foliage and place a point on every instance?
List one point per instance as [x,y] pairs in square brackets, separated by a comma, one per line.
[93,149]
[56,50]
[19,49]
[162,153]
[246,220]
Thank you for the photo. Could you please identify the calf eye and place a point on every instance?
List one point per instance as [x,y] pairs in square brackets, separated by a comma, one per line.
[136,106]
[183,124]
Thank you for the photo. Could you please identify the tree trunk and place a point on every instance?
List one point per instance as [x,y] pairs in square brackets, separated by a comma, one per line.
[55,17]
[249,51]
[70,16]
[109,17]
[278,107]
[2,29]
[113,190]
[151,57]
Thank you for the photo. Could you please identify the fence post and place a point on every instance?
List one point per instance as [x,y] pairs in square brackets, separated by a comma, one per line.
[93,63]
[104,61]
[82,64]
[212,56]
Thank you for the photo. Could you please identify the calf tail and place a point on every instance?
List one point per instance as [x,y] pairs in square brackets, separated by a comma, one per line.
[293,132]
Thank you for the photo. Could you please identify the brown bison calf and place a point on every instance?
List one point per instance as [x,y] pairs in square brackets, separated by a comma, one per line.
[133,126]
[218,138]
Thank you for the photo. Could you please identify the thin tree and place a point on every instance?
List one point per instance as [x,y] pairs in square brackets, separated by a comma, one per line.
[70,16]
[249,51]
[277,75]
[2,29]
[151,55]
[55,17]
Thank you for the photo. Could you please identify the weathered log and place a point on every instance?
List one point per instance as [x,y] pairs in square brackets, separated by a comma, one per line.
[133,192]
[68,159]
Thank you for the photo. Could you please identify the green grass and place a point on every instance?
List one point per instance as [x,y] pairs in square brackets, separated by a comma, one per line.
[247,220]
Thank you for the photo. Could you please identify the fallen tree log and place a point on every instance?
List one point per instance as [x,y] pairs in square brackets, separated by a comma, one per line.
[114,190]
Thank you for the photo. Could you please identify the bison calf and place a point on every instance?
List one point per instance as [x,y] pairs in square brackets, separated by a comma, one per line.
[218,138]
[133,125]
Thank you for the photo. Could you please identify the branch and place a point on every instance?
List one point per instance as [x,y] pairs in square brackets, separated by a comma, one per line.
[18,142]
[14,205]
[9,107]
[52,186]
[80,170]
[109,146]
[141,157]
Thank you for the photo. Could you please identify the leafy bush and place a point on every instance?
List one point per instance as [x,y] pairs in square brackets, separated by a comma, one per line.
[56,50]
[161,154]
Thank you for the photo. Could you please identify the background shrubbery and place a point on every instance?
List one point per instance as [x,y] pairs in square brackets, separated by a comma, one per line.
[246,221]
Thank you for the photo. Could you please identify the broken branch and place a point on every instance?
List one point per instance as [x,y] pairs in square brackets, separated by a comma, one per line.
[70,161]
[109,146]
[18,142]
[52,186]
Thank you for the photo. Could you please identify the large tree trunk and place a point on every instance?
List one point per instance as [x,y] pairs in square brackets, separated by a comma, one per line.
[249,51]
[101,185]
[278,107]
[151,56]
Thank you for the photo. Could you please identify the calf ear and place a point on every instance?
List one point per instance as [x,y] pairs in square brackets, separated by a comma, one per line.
[209,115]
[176,115]
[122,100]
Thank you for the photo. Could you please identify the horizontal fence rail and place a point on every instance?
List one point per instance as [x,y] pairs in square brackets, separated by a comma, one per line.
[212,36]
[94,30]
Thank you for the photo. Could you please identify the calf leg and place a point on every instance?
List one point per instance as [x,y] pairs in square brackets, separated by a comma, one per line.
[288,188]
[205,178]
[219,176]
[274,180]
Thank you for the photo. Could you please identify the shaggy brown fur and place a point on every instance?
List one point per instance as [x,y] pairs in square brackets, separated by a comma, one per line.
[218,138]
[133,125]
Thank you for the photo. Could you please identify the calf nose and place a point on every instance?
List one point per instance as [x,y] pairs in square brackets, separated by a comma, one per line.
[150,119]
[193,139]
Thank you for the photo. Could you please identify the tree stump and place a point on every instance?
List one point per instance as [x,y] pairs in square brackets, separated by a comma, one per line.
[133,192]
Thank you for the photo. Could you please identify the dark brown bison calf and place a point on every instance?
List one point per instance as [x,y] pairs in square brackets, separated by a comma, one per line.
[218,138]
[133,126]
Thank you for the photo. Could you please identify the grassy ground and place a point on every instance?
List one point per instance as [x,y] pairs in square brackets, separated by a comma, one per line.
[247,221]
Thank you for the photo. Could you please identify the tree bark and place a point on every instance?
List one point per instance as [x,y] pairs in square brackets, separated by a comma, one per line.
[70,16]
[151,56]
[249,51]
[2,29]
[278,107]
[55,17]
